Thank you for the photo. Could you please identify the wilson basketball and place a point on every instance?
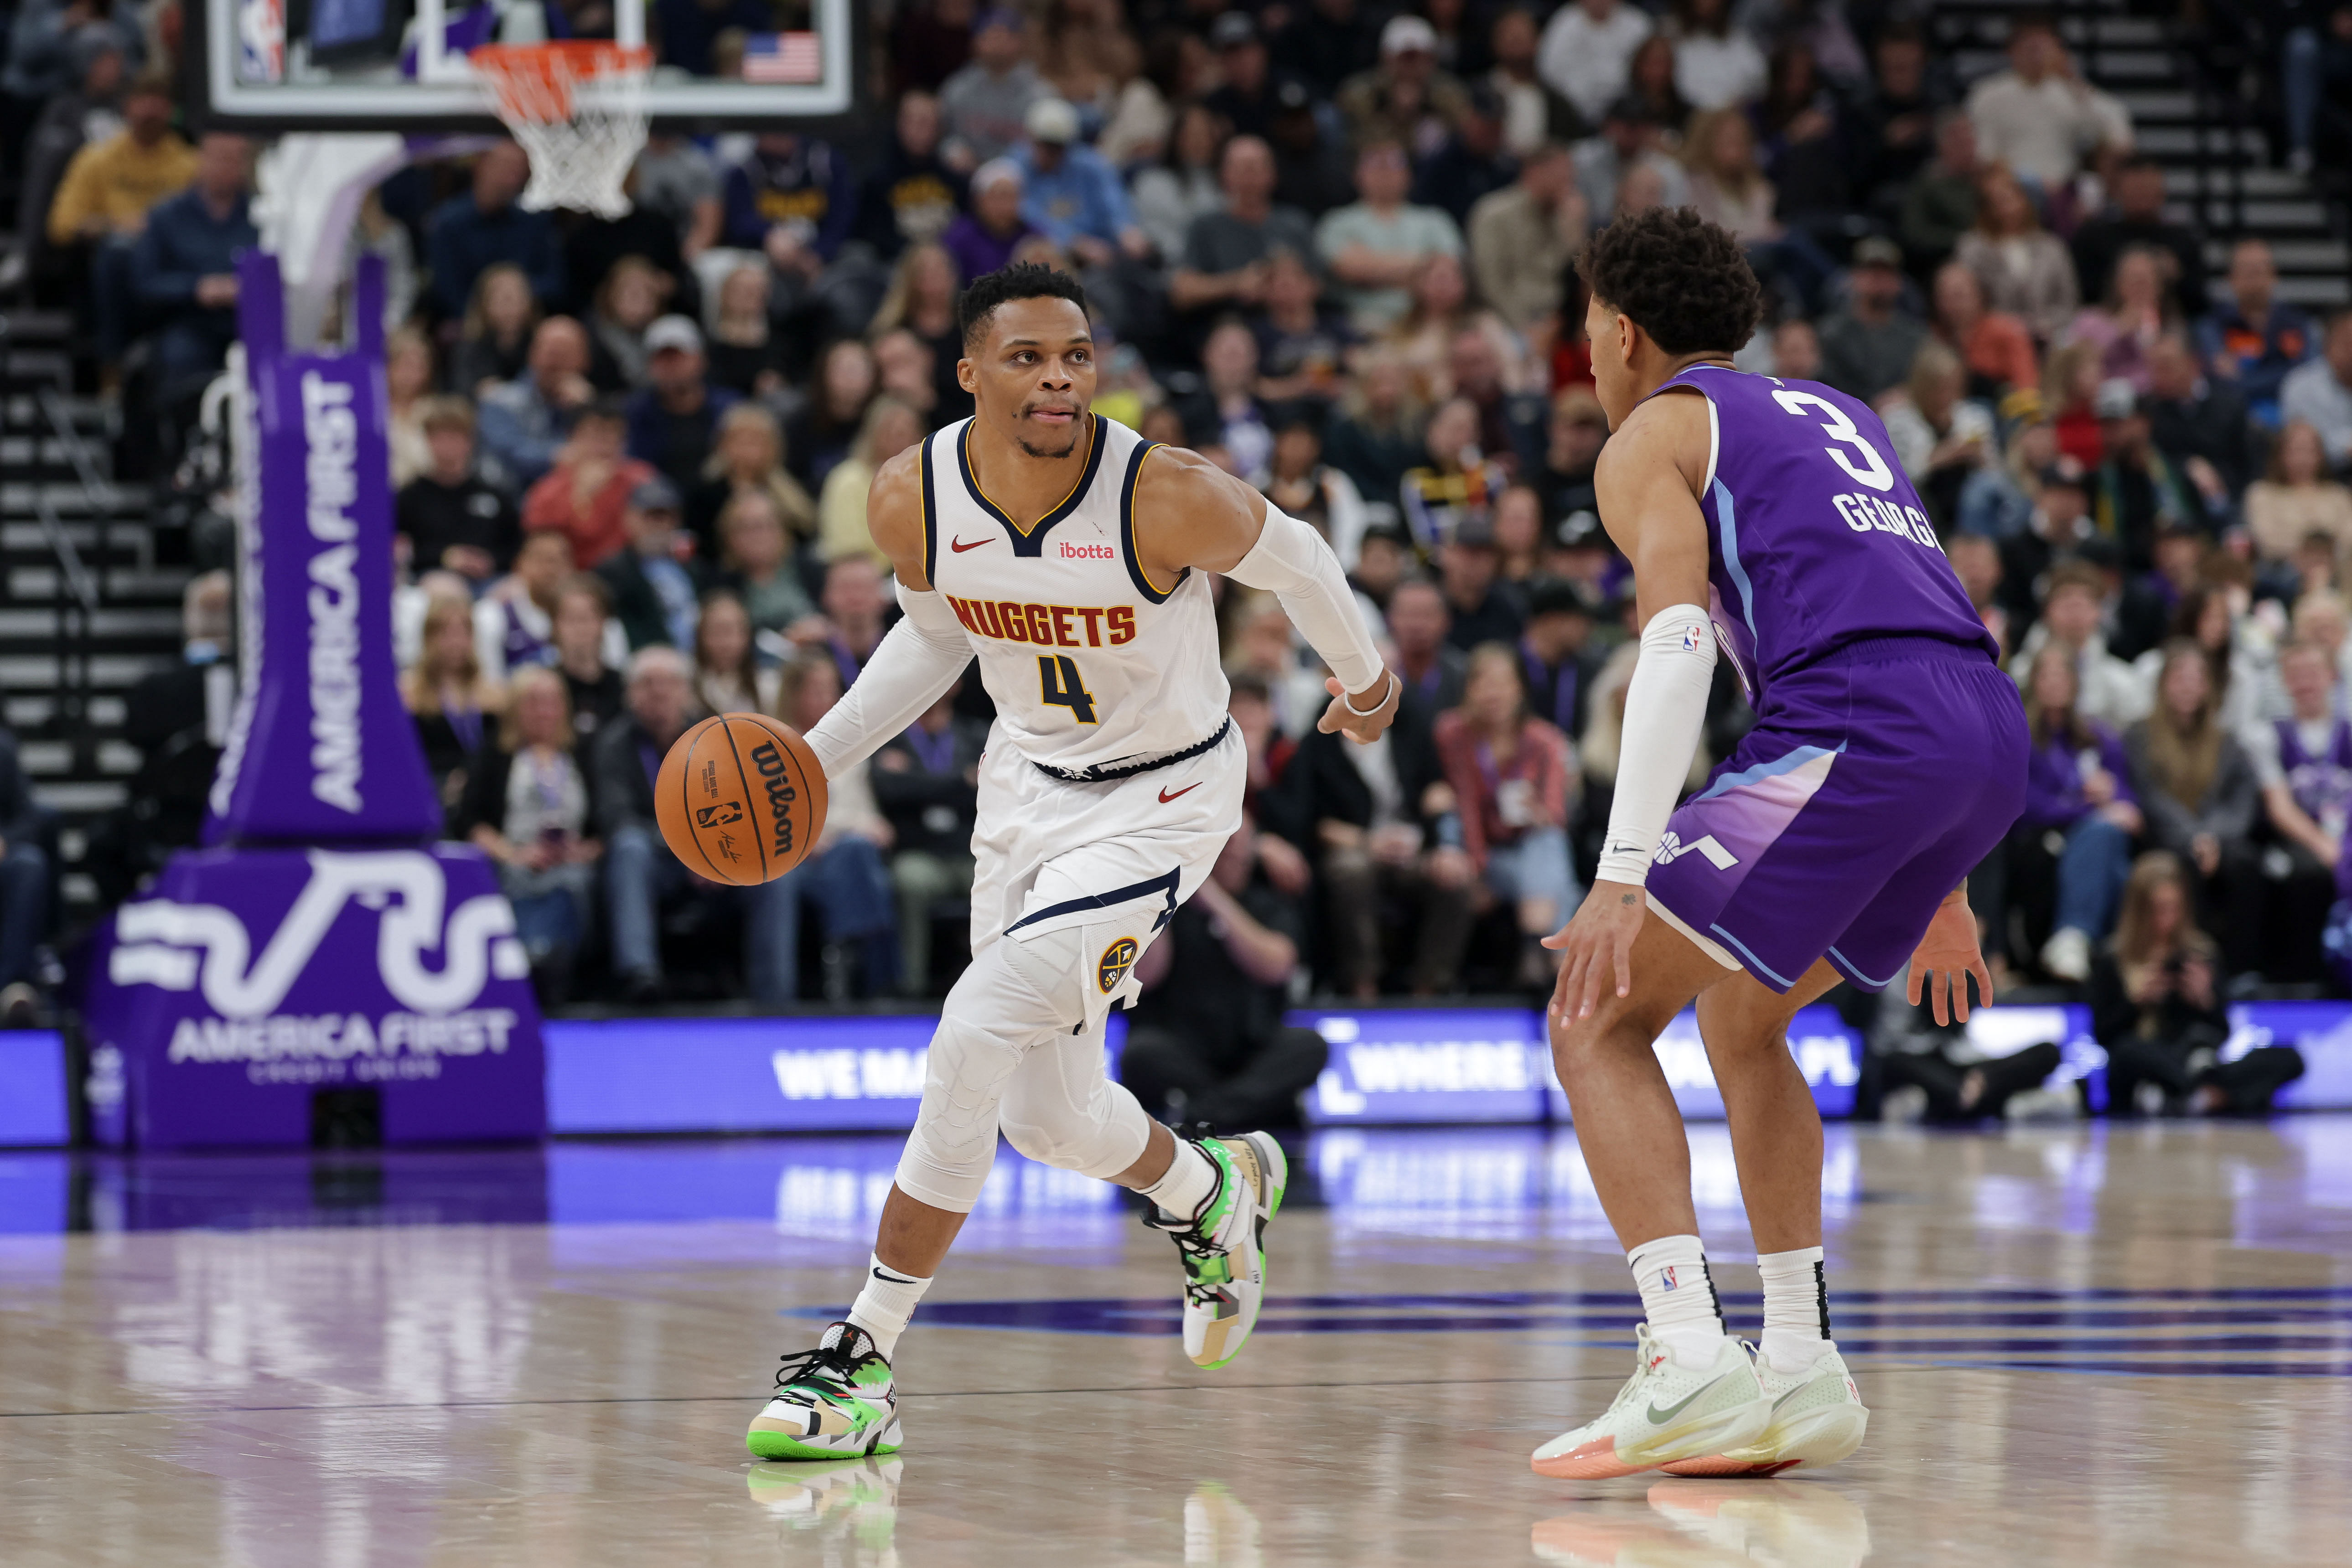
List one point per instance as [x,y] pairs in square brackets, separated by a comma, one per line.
[740,798]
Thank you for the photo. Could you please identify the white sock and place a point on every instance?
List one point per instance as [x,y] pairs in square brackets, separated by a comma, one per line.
[1796,1309]
[885,1303]
[1190,1182]
[1678,1297]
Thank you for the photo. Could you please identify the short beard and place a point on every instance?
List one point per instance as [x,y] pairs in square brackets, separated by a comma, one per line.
[1076,427]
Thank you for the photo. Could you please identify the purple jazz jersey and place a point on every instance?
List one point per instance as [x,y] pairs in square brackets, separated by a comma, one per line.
[1888,755]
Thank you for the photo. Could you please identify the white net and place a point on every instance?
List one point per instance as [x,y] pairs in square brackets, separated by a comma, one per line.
[579,110]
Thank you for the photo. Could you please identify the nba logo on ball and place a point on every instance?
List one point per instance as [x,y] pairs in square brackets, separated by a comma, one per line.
[724,813]
[1117,960]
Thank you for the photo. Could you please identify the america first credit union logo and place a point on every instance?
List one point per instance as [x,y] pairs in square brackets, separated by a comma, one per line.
[1117,960]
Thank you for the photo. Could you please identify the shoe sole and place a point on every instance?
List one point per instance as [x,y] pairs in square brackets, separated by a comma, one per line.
[1809,1441]
[1603,1460]
[1277,1166]
[780,1446]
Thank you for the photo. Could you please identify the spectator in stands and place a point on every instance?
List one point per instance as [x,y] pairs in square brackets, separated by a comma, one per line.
[911,193]
[2071,851]
[1070,194]
[2295,498]
[1626,141]
[1572,449]
[674,421]
[1522,237]
[641,875]
[987,102]
[586,641]
[494,344]
[2320,393]
[447,697]
[177,718]
[409,378]
[524,424]
[1514,781]
[1207,1047]
[2106,691]
[819,434]
[1431,667]
[983,240]
[2303,762]
[2135,221]
[922,301]
[1557,653]
[1405,98]
[1534,114]
[1325,43]
[525,805]
[746,354]
[452,517]
[2197,420]
[40,53]
[2137,490]
[845,877]
[1894,127]
[927,783]
[69,122]
[1587,55]
[184,269]
[728,675]
[1376,440]
[2040,117]
[655,583]
[113,182]
[2026,269]
[1375,246]
[1183,186]
[2251,340]
[793,199]
[853,602]
[588,487]
[1469,162]
[676,179]
[514,622]
[1457,482]
[2127,324]
[627,304]
[1869,346]
[1798,126]
[1941,437]
[1995,346]
[1244,100]
[470,232]
[1302,348]
[1943,203]
[1227,252]
[1728,187]
[28,834]
[889,428]
[747,454]
[2156,1009]
[2199,792]
[1716,63]
[755,556]
[1481,609]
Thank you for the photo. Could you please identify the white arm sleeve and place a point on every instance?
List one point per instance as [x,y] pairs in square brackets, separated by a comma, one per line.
[1291,559]
[1665,704]
[917,661]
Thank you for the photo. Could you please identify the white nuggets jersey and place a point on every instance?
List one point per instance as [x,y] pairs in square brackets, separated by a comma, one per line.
[1090,663]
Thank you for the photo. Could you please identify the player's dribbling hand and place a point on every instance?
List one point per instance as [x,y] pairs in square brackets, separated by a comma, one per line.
[1342,717]
[1596,949]
[1946,957]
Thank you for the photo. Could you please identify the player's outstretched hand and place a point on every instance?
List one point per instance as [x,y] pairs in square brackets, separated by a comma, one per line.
[1946,957]
[1360,721]
[1596,949]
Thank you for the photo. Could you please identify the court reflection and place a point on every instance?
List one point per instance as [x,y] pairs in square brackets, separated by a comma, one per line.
[1700,1524]
[842,1514]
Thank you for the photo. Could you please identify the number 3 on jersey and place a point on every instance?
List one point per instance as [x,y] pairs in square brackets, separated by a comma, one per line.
[1057,676]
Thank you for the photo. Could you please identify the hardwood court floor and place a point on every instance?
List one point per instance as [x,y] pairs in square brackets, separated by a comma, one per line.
[2082,1346]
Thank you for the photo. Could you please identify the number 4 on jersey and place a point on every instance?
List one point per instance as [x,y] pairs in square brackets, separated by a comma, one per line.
[1058,676]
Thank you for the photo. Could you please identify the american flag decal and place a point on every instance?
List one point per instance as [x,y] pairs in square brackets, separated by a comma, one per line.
[782,57]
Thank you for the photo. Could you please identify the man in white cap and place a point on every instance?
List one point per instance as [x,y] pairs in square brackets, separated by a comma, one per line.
[1407,96]
[673,418]
[1071,193]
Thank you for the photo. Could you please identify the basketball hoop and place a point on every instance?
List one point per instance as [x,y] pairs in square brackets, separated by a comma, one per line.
[579,110]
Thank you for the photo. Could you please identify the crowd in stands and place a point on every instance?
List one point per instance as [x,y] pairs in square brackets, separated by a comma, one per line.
[1331,245]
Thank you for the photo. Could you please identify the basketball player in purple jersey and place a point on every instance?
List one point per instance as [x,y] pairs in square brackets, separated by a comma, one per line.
[1765,518]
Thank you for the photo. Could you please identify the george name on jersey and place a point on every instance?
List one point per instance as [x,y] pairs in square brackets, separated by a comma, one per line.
[1047,625]
[1866,514]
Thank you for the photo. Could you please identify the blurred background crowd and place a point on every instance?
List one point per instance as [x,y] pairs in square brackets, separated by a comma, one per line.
[1330,244]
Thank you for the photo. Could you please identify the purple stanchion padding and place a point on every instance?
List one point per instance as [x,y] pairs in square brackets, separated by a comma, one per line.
[321,940]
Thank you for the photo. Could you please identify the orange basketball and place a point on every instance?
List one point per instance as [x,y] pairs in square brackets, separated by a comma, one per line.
[740,799]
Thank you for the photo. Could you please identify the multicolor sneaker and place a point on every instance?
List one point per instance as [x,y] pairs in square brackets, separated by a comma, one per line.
[1665,1411]
[1817,1419]
[1223,1245]
[836,1402]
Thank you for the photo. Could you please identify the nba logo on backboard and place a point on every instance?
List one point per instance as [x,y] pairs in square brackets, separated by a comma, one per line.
[1666,1276]
[261,40]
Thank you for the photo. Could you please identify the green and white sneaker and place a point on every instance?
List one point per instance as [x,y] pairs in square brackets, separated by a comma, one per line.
[1223,1246]
[836,1402]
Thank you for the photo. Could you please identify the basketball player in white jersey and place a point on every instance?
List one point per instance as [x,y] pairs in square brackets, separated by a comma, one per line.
[1068,554]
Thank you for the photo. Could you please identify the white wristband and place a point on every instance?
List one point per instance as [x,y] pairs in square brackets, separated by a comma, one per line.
[1367,712]
[1665,706]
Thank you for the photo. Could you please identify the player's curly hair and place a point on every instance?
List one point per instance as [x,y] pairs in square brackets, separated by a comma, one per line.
[1684,281]
[1022,280]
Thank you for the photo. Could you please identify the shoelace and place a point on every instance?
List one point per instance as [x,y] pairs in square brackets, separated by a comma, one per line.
[807,1365]
[1196,1249]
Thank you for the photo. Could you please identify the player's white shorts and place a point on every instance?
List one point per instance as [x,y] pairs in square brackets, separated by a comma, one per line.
[1052,854]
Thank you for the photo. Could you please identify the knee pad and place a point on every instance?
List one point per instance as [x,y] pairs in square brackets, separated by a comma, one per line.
[953,1145]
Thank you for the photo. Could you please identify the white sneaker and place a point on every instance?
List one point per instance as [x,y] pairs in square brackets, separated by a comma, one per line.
[2067,955]
[1665,1411]
[1817,1419]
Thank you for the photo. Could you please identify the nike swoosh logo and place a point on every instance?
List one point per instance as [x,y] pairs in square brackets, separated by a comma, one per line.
[958,546]
[1660,1417]
[1165,797]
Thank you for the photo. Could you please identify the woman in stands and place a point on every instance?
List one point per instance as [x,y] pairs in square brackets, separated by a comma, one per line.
[448,696]
[1514,781]
[526,806]
[2026,271]
[749,455]
[2066,859]
[2197,789]
[726,674]
[2156,1008]
[495,342]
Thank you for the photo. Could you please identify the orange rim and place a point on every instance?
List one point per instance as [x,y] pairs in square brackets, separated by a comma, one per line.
[534,81]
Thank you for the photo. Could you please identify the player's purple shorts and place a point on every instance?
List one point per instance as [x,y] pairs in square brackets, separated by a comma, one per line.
[1869,789]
